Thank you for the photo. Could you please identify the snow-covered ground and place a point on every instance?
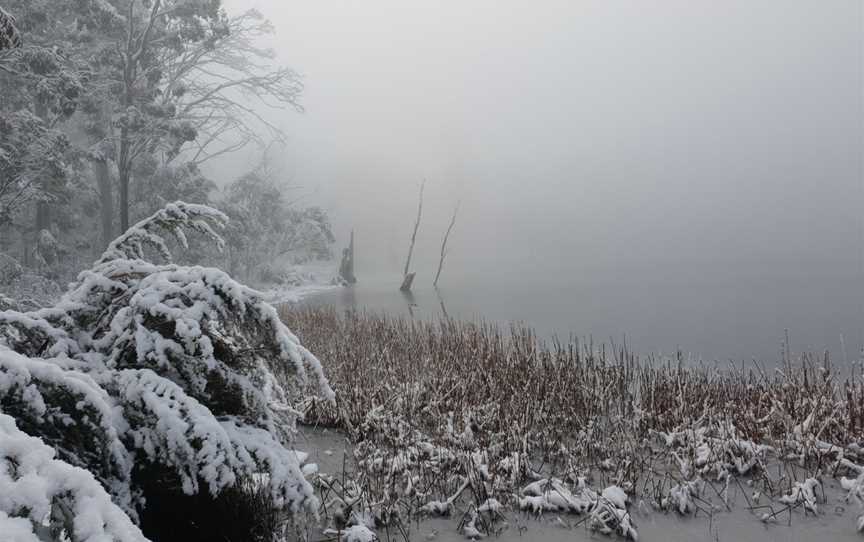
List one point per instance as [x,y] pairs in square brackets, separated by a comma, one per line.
[302,281]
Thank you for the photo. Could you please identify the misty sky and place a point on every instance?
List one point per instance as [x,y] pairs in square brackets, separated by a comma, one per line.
[673,142]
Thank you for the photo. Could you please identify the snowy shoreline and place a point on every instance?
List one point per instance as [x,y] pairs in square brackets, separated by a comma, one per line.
[305,280]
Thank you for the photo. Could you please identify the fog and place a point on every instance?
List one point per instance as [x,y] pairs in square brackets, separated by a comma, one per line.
[683,172]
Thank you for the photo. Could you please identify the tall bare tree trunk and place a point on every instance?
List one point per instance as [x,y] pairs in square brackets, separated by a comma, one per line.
[136,46]
[444,245]
[408,278]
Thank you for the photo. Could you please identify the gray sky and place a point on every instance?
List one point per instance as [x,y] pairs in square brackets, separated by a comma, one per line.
[686,140]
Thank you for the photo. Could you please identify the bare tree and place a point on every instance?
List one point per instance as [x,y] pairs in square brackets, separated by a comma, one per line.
[409,277]
[197,102]
[215,81]
[444,245]
[138,40]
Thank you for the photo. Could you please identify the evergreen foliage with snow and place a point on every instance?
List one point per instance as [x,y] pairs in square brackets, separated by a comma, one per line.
[9,35]
[144,366]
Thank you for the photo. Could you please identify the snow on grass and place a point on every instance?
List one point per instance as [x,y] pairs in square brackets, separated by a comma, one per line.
[448,415]
[804,493]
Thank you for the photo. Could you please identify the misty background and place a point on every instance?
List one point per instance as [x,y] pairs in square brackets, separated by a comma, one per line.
[687,173]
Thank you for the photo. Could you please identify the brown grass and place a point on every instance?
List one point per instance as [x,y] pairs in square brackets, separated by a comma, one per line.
[565,408]
[519,387]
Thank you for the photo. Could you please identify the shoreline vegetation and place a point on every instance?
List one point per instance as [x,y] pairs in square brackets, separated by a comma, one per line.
[483,425]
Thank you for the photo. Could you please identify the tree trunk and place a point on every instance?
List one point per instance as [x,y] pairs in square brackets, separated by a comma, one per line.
[346,268]
[43,210]
[409,277]
[444,246]
[106,201]
[43,216]
[124,167]
[407,282]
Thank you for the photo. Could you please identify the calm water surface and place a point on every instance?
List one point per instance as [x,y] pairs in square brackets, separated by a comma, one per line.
[740,318]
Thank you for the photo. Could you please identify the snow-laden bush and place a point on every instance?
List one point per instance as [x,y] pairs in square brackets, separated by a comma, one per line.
[9,35]
[42,494]
[146,368]
[10,268]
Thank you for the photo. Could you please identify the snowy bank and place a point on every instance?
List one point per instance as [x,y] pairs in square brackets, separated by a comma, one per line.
[297,282]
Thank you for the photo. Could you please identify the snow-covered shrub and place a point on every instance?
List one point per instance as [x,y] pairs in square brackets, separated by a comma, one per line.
[146,371]
[10,269]
[41,493]
[69,411]
[9,35]
[7,303]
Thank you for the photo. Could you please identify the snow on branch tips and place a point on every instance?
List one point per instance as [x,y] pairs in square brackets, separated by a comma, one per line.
[144,368]
[173,218]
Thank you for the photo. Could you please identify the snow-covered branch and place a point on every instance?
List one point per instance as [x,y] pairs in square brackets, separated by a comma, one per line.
[172,219]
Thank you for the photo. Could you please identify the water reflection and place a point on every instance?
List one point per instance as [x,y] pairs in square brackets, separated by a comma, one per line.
[348,297]
[441,302]
[742,320]
[410,300]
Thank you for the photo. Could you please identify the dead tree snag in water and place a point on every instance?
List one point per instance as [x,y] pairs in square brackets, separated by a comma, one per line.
[444,245]
[346,268]
[409,277]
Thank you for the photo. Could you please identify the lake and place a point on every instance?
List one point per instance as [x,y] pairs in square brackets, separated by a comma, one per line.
[739,317]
